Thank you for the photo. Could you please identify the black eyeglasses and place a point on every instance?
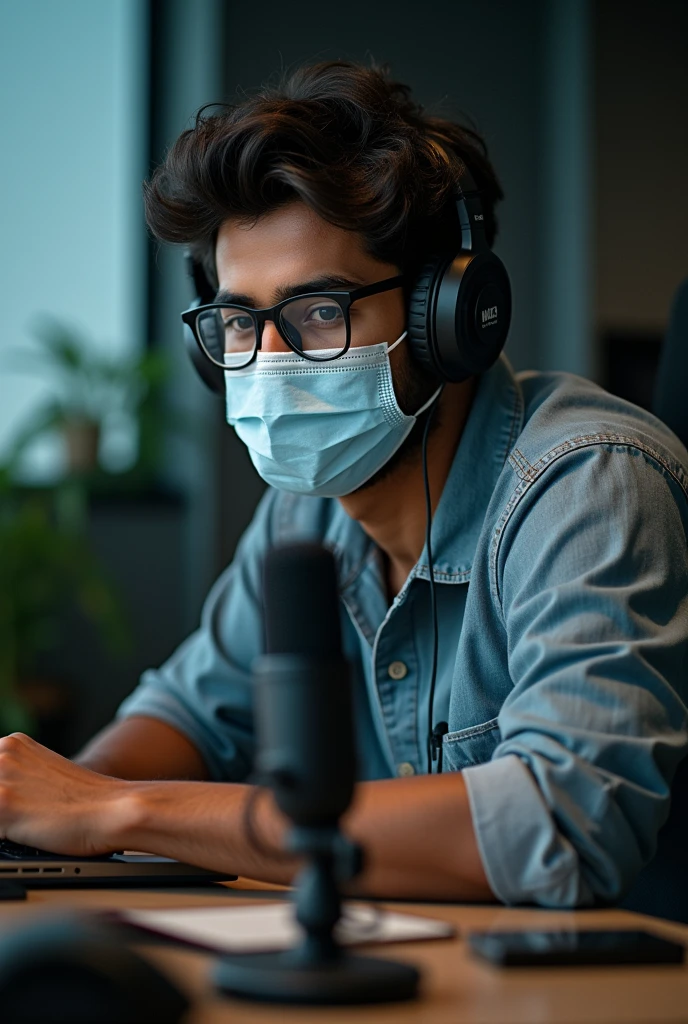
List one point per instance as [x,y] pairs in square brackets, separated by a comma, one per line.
[316,325]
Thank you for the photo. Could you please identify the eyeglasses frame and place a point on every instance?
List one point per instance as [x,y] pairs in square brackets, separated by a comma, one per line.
[273,313]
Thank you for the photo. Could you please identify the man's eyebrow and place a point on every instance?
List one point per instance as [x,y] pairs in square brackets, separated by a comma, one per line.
[327,283]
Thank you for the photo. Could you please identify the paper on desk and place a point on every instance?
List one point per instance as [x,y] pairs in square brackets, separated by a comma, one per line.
[273,926]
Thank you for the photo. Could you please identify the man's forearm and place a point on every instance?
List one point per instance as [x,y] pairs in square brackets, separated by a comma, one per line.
[417,834]
[142,748]
[418,839]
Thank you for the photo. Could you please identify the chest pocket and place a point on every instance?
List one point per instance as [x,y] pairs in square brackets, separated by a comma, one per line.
[474,745]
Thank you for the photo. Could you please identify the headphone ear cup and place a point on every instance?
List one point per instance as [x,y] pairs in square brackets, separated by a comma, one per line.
[420,315]
[458,314]
[212,376]
[471,315]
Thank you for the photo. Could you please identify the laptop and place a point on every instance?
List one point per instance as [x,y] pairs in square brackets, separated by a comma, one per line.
[36,868]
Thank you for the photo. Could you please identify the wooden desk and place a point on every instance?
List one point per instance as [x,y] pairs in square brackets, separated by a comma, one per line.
[456,988]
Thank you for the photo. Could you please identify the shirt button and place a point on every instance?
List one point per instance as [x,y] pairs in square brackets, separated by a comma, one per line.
[397,670]
[405,769]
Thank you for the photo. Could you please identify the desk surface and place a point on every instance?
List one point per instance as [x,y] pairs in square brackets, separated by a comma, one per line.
[456,987]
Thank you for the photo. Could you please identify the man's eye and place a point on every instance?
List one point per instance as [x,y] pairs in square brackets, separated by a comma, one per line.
[324,314]
[238,323]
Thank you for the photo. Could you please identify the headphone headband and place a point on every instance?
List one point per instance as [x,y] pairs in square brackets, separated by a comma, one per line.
[468,205]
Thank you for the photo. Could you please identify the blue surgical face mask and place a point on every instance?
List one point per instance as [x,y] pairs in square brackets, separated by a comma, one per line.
[319,428]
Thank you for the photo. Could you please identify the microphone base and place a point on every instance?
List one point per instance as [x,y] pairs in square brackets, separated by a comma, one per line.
[345,979]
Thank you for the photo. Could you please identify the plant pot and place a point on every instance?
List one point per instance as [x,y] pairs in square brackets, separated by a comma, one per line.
[82,438]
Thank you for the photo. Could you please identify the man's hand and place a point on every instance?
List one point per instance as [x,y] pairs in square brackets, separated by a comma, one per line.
[49,802]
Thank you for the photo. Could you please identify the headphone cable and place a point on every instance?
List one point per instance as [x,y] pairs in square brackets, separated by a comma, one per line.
[432,739]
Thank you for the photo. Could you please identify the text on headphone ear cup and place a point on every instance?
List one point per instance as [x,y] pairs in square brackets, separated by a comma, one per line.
[459,314]
[472,310]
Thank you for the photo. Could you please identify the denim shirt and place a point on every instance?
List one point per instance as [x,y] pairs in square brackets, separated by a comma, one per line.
[561,564]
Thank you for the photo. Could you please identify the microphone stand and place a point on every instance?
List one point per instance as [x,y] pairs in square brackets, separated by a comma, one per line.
[330,860]
[319,970]
[306,754]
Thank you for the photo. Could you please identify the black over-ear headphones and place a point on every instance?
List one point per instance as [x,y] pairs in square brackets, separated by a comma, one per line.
[459,307]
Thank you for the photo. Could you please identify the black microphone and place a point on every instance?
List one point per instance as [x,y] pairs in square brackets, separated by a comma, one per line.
[306,754]
[303,690]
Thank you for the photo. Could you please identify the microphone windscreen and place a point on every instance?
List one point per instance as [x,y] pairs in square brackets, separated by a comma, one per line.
[300,601]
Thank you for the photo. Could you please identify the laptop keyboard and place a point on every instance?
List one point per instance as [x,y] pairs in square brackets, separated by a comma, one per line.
[17,851]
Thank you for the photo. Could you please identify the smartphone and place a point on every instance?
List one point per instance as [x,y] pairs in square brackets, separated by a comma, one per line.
[557,949]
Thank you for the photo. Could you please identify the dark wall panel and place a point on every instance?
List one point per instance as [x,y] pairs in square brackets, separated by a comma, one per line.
[141,544]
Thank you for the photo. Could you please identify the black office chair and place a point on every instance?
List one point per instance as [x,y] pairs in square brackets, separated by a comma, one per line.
[662,887]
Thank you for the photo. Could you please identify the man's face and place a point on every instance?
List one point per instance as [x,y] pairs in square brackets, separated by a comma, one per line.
[291,247]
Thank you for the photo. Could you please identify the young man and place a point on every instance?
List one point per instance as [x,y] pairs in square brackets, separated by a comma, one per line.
[559,543]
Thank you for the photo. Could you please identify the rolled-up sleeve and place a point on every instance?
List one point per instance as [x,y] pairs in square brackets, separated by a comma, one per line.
[204,689]
[592,577]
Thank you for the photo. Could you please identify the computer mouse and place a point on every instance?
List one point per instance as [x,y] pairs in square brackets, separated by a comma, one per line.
[66,970]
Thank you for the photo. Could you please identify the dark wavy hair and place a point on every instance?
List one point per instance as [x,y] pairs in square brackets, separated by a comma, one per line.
[342,137]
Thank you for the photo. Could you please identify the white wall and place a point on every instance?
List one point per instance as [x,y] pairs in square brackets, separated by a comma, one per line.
[73,111]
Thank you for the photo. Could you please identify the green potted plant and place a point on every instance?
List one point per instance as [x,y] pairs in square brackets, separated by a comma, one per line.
[90,391]
[46,559]
[46,562]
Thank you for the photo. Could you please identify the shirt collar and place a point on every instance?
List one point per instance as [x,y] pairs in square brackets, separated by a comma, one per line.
[494,423]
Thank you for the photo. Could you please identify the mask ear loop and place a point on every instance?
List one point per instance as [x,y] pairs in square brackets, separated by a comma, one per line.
[431,399]
[397,342]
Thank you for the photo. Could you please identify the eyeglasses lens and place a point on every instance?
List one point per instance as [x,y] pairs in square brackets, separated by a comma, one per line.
[227,332]
[315,325]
